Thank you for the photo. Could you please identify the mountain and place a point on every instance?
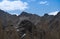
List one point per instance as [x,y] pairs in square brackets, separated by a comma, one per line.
[6,17]
[48,26]
[32,17]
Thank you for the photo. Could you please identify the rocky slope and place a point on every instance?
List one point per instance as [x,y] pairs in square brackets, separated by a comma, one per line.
[48,25]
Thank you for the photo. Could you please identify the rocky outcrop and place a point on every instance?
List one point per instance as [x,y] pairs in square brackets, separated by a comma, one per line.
[47,26]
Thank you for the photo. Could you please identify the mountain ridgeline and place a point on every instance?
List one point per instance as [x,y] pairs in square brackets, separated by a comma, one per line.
[48,26]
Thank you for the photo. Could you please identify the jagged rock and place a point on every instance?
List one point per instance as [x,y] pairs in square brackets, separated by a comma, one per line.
[48,25]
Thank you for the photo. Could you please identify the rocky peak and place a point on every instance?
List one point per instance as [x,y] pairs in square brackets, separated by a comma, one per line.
[58,14]
[3,12]
[25,14]
[46,15]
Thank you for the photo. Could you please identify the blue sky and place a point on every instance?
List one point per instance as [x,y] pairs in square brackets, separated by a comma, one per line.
[39,7]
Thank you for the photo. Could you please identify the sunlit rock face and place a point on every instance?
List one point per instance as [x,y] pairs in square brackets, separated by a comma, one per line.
[47,26]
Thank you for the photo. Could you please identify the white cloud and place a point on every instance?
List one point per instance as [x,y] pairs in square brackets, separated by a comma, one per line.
[53,13]
[15,14]
[13,5]
[31,0]
[43,2]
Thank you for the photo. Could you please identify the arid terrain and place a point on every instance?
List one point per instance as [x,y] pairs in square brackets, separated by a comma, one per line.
[29,26]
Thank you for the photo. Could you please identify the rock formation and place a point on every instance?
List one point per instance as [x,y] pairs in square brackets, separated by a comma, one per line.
[44,27]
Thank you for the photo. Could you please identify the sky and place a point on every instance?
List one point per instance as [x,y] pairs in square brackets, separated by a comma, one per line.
[39,7]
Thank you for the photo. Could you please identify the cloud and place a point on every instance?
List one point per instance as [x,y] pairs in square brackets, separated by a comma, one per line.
[13,5]
[53,13]
[14,14]
[43,2]
[31,0]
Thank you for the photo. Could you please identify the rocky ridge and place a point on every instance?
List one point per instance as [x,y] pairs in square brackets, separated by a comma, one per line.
[48,23]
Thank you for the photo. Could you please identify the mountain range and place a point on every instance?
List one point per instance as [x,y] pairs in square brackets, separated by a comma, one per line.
[47,23]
